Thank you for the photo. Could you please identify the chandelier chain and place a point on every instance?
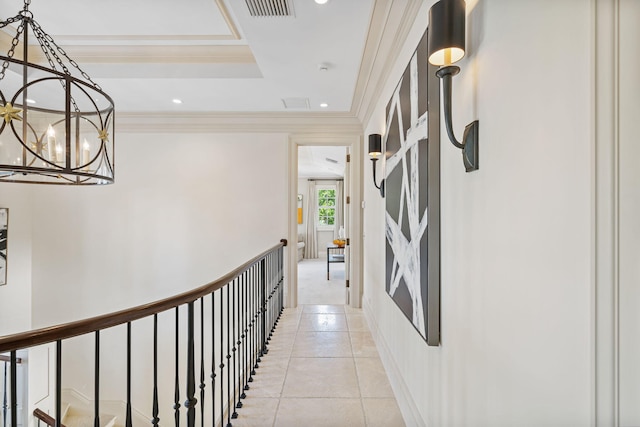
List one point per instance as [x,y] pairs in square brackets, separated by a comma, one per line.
[14,42]
[48,40]
[45,49]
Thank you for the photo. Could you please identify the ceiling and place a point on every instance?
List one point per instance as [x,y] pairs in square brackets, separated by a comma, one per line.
[321,161]
[211,54]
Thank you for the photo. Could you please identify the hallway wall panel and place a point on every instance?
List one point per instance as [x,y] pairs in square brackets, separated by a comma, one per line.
[516,234]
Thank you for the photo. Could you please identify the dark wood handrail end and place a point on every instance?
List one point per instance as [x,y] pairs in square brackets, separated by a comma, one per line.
[284,242]
[45,418]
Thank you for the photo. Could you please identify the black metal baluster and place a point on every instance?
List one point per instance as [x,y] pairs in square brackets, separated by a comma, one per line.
[281,281]
[155,411]
[213,359]
[4,397]
[278,303]
[129,420]
[249,329]
[256,317]
[267,302]
[280,285]
[235,343]
[221,358]
[14,389]
[202,383]
[245,366]
[228,359]
[58,408]
[263,301]
[190,403]
[272,290]
[252,326]
[96,382]
[176,393]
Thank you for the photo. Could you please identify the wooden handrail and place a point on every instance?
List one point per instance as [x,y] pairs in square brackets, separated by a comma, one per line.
[8,359]
[81,327]
[45,418]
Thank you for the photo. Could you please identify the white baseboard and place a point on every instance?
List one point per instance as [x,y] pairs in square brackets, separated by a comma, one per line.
[407,405]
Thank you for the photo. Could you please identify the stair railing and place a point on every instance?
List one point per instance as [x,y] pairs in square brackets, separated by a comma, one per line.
[242,319]
[6,362]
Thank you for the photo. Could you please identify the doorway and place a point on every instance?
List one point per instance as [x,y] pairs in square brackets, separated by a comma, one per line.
[322,273]
[317,222]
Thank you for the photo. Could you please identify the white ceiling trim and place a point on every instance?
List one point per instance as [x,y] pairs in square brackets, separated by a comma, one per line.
[101,38]
[382,51]
[308,123]
[237,54]
[227,18]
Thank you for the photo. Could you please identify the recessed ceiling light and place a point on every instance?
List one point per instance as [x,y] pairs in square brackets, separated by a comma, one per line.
[30,101]
[324,105]
[177,101]
[321,1]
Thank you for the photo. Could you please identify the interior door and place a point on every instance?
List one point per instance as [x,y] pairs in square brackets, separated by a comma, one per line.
[347,224]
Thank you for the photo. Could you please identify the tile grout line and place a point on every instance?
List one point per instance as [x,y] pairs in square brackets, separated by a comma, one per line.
[355,367]
[286,372]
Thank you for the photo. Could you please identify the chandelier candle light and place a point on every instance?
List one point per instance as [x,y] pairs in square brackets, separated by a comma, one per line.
[56,124]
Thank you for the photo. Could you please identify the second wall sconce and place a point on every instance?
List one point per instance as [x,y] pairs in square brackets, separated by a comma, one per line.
[446,46]
[375,151]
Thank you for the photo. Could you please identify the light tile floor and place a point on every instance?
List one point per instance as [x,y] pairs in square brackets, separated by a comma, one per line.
[322,370]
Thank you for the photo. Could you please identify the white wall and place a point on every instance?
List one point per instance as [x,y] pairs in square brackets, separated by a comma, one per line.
[15,296]
[515,251]
[629,176]
[185,209]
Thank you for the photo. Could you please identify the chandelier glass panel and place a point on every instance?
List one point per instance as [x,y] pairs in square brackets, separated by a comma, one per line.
[56,124]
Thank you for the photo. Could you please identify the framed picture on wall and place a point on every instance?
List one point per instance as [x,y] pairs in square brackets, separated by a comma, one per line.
[4,224]
[412,195]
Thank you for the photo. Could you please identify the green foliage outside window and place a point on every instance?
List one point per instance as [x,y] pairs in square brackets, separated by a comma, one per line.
[326,207]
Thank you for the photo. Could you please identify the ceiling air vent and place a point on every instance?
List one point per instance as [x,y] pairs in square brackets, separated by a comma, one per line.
[270,7]
[296,103]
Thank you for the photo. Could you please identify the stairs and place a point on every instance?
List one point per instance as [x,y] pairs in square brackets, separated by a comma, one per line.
[74,416]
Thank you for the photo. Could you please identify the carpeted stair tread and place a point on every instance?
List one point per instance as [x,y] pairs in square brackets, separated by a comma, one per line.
[81,419]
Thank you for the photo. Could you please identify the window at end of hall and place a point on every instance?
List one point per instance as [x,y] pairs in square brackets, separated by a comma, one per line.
[326,206]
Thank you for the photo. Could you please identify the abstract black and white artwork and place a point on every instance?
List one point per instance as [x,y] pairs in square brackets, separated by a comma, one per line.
[412,173]
[4,222]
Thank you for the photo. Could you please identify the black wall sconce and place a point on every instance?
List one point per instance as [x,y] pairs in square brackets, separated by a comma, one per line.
[375,151]
[446,46]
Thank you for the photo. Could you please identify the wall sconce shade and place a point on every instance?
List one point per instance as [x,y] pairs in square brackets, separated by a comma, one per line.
[375,145]
[446,32]
[375,151]
[446,45]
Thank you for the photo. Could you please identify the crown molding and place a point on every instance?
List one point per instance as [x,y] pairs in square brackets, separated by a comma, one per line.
[207,54]
[377,27]
[227,18]
[308,123]
[395,18]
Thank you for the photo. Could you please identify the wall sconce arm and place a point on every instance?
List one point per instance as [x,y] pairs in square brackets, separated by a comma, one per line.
[381,186]
[469,144]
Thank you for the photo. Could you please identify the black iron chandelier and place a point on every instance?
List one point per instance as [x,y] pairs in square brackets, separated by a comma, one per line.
[56,124]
